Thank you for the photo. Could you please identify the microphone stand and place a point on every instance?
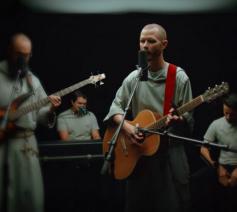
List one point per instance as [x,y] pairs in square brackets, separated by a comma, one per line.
[113,140]
[224,147]
[3,128]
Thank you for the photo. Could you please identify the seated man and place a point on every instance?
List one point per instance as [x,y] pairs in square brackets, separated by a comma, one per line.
[77,123]
[224,131]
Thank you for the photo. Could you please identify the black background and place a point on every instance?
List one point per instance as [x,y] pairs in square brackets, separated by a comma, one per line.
[67,48]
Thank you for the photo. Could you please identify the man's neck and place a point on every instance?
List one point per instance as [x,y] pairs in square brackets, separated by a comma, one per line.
[155,66]
[74,110]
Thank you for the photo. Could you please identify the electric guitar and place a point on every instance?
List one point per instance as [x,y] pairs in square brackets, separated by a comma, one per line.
[15,113]
[126,154]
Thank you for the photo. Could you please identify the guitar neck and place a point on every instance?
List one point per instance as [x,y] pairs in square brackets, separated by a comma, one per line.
[181,110]
[72,88]
[37,105]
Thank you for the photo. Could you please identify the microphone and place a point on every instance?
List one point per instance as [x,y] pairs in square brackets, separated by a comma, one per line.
[143,65]
[21,65]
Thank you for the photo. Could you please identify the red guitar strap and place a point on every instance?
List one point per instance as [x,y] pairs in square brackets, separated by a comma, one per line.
[169,88]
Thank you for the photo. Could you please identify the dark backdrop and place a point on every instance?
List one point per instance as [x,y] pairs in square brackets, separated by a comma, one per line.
[67,48]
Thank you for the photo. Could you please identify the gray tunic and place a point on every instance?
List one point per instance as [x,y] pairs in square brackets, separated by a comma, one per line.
[25,191]
[163,186]
[78,127]
[222,132]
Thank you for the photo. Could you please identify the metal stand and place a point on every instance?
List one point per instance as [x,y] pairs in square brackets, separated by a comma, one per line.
[108,157]
[194,141]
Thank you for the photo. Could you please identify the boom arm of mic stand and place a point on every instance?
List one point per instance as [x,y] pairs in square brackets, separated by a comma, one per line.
[195,141]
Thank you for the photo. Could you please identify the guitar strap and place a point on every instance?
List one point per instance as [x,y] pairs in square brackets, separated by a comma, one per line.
[169,88]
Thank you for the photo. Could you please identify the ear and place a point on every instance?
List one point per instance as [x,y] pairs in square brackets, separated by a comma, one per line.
[165,43]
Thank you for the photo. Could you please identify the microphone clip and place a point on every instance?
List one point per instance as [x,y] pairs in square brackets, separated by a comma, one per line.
[143,72]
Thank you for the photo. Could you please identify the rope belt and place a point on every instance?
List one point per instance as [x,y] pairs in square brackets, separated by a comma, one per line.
[23,133]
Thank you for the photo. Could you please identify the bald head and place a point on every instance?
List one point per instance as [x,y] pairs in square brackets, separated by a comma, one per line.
[20,42]
[20,45]
[19,39]
[158,29]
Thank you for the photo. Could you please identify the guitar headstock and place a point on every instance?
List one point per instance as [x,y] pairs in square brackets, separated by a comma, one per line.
[213,93]
[96,78]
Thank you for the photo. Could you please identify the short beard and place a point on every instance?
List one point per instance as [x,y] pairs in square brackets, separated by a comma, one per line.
[14,71]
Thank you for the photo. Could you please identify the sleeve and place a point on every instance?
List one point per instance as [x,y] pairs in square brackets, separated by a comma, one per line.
[94,122]
[210,135]
[121,98]
[187,91]
[44,116]
[183,95]
[61,124]
[183,88]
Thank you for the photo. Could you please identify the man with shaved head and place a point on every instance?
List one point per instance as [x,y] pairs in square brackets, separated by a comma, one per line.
[21,187]
[159,182]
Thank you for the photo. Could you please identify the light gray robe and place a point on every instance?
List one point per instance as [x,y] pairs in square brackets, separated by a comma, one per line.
[25,190]
[164,187]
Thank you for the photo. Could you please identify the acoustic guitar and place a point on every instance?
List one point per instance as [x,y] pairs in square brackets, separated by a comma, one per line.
[126,154]
[15,112]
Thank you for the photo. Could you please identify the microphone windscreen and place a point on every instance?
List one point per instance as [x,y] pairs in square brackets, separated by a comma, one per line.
[142,59]
[142,63]
[21,64]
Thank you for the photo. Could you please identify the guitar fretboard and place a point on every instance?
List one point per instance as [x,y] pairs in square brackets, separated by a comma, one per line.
[181,110]
[37,105]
